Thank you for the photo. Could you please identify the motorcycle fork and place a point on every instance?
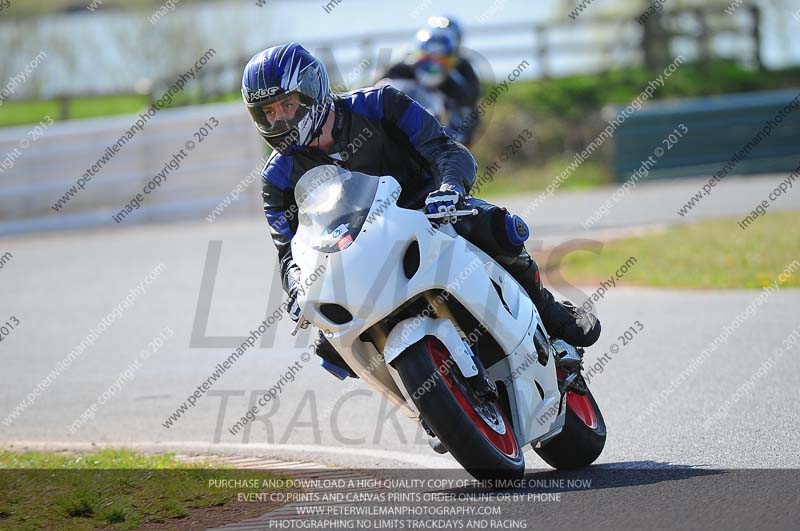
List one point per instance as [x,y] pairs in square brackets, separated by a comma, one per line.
[480,383]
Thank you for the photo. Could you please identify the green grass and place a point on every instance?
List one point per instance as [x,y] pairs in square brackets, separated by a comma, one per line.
[30,112]
[91,107]
[25,112]
[573,97]
[709,254]
[110,489]
[36,7]
[104,459]
[536,178]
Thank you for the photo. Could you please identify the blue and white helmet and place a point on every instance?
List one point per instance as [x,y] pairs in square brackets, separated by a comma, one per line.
[435,57]
[289,74]
[448,24]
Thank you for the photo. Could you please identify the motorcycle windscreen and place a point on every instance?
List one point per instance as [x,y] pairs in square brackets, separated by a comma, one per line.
[333,204]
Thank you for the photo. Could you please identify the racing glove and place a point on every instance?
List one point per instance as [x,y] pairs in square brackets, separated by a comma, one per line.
[445,201]
[292,307]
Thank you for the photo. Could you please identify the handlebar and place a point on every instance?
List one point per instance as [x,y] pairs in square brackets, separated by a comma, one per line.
[455,214]
[302,322]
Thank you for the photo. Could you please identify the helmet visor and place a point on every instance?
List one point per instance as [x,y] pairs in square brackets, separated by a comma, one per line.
[278,116]
[431,71]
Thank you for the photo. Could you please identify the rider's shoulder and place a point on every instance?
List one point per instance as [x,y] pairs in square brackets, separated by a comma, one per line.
[465,66]
[361,93]
[369,101]
[278,170]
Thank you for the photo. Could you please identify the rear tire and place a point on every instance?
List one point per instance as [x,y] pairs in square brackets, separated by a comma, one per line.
[583,437]
[475,432]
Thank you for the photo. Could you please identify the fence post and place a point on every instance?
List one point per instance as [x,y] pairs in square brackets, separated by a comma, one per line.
[703,37]
[541,50]
[65,104]
[755,13]
[367,51]
[655,42]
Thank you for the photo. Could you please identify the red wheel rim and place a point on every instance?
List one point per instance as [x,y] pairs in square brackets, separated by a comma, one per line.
[505,443]
[582,407]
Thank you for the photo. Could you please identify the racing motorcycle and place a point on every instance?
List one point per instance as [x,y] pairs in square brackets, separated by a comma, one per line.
[438,327]
[434,102]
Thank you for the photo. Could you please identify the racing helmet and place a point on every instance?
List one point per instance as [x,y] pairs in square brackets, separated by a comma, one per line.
[288,95]
[434,57]
[448,24]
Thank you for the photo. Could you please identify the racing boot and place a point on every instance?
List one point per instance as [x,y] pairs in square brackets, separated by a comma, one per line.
[502,235]
[562,319]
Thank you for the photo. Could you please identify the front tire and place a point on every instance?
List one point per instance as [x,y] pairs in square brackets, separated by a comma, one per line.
[583,437]
[475,432]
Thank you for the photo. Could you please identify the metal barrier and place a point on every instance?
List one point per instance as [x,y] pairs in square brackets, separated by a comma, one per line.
[44,169]
[718,129]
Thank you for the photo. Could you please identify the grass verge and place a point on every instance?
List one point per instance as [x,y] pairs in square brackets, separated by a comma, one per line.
[111,490]
[537,178]
[34,111]
[25,112]
[709,254]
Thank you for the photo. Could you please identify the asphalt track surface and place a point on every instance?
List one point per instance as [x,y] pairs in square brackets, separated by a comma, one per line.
[61,285]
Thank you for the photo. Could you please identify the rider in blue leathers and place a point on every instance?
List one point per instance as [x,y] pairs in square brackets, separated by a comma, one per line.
[437,64]
[287,92]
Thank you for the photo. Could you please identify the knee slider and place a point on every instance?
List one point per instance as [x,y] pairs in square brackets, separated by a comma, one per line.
[510,231]
[517,230]
[496,232]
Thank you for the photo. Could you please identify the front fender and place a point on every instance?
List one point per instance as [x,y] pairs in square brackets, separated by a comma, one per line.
[411,330]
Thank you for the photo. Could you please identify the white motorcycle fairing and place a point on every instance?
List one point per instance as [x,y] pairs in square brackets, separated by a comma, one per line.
[367,275]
